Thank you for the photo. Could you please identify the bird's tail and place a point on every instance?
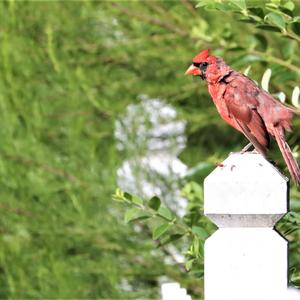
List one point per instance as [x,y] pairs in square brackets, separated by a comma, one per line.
[287,154]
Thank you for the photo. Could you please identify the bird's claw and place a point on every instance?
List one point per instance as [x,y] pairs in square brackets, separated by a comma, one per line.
[246,148]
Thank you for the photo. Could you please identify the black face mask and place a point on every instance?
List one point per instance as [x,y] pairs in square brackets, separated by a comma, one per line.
[202,66]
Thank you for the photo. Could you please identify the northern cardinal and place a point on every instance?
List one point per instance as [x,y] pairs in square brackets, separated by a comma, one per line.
[246,107]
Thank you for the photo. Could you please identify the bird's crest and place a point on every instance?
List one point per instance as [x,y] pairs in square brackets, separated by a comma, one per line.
[202,56]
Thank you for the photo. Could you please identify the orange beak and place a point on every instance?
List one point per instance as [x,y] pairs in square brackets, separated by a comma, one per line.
[192,70]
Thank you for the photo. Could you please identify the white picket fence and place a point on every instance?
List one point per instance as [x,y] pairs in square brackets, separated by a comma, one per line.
[245,259]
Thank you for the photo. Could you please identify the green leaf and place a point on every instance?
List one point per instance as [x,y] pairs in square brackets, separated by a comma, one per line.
[128,196]
[275,19]
[237,48]
[295,276]
[257,11]
[213,5]
[132,198]
[133,214]
[273,3]
[170,239]
[290,5]
[201,249]
[165,213]
[262,42]
[154,203]
[268,28]
[189,264]
[116,198]
[203,3]
[118,192]
[291,230]
[160,230]
[137,200]
[296,19]
[197,188]
[245,60]
[200,170]
[198,273]
[286,11]
[200,232]
[249,21]
[118,195]
[195,246]
[296,27]
[192,190]
[288,49]
[241,4]
[223,6]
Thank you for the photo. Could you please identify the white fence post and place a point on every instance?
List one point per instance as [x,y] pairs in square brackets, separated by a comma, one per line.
[245,259]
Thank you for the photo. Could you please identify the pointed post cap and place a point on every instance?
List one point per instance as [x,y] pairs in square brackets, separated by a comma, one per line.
[245,191]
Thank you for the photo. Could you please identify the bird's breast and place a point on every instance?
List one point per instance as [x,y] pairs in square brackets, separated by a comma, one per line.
[217,92]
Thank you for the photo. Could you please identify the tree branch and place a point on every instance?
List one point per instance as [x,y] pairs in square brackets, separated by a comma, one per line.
[276,60]
[149,19]
[189,7]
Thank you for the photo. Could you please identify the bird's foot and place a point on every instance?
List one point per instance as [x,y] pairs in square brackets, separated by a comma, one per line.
[254,151]
[246,148]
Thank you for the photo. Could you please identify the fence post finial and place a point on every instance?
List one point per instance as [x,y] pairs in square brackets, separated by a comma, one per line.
[245,259]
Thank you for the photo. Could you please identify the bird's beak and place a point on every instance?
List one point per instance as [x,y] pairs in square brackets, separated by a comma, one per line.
[192,70]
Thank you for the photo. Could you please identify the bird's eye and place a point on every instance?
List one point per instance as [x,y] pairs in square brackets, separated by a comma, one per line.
[203,65]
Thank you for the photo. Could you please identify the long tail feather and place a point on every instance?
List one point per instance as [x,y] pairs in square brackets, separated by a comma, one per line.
[287,154]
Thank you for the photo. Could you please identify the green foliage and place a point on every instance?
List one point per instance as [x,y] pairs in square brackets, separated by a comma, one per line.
[154,203]
[160,230]
[277,16]
[270,36]
[191,229]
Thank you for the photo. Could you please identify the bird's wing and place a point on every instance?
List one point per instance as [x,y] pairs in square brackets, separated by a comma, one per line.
[240,98]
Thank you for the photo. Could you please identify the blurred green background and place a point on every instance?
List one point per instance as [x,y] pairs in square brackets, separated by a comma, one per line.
[68,70]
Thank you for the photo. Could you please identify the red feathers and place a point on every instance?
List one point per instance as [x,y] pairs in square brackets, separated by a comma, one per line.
[246,107]
[202,56]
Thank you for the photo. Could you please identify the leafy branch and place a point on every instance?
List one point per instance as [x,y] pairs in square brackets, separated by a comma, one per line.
[166,226]
[270,58]
[277,16]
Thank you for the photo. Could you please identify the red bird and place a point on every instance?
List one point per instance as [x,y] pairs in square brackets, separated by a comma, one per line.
[246,107]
